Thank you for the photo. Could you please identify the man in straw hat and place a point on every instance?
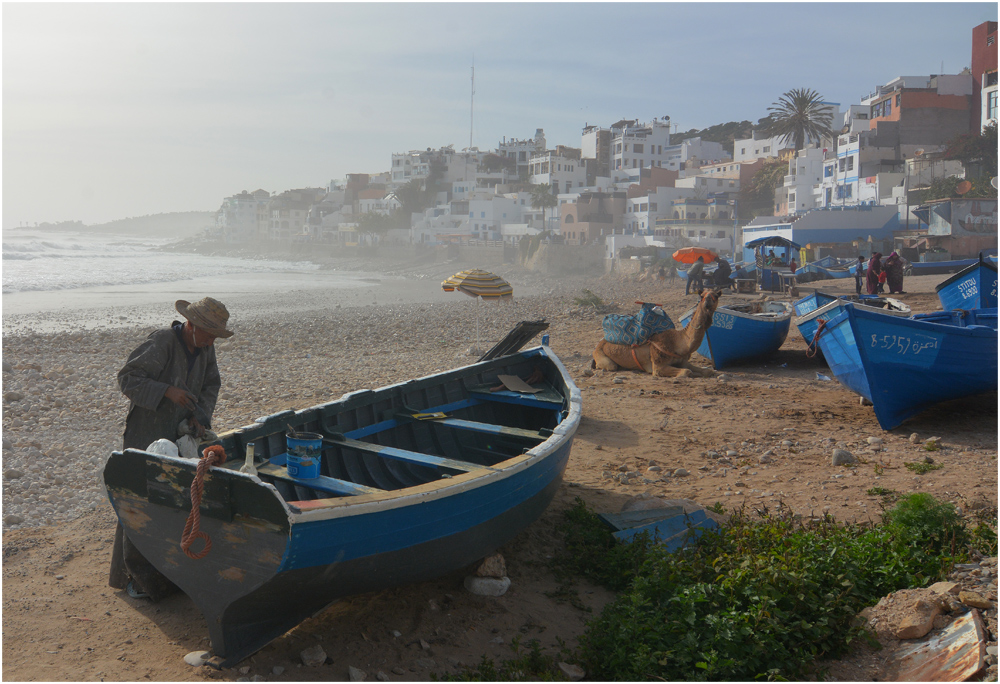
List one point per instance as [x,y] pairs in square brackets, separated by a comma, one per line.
[172,383]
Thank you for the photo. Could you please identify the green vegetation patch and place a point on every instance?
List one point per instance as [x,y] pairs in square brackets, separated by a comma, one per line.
[922,467]
[760,598]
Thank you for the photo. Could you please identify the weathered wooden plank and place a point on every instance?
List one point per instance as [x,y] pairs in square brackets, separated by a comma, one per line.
[321,483]
[411,456]
[488,428]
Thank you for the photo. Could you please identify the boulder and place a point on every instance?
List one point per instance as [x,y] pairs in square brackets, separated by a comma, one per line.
[487,586]
[919,621]
[493,566]
[313,656]
[842,457]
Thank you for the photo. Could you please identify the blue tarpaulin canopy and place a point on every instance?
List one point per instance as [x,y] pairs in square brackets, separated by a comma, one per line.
[772,241]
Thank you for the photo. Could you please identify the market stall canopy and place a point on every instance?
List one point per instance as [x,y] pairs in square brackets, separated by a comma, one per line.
[772,241]
[689,255]
[478,283]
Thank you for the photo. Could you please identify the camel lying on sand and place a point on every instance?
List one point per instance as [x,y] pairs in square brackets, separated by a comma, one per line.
[664,354]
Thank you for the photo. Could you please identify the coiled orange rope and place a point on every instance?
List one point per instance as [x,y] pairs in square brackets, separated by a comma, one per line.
[213,455]
[814,345]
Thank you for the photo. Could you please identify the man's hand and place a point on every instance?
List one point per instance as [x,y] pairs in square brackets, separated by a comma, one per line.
[199,429]
[182,398]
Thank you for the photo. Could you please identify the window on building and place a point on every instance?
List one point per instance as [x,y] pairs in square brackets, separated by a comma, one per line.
[743,150]
[828,171]
[482,214]
[898,96]
[850,163]
[701,233]
[637,148]
[989,79]
[842,164]
[991,105]
[767,149]
[888,107]
[691,233]
[989,40]
[652,207]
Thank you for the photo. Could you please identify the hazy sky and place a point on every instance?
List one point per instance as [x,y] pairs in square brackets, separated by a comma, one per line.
[114,110]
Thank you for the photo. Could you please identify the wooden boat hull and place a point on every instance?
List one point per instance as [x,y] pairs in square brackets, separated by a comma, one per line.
[906,365]
[974,287]
[736,336]
[278,558]
[810,314]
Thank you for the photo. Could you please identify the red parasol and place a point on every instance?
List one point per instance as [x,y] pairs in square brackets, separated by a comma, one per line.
[689,255]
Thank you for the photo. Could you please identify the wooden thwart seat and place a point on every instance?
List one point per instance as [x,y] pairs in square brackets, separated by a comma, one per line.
[322,483]
[409,456]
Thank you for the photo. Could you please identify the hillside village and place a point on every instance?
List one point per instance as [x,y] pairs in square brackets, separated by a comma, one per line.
[631,184]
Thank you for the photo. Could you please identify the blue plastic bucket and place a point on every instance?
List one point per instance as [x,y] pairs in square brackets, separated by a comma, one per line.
[304,453]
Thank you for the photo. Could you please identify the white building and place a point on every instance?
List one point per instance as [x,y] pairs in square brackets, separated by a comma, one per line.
[636,146]
[560,172]
[642,212]
[805,173]
[521,151]
[244,216]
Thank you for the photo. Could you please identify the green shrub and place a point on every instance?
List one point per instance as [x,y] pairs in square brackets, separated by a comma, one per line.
[922,467]
[759,598]
[589,299]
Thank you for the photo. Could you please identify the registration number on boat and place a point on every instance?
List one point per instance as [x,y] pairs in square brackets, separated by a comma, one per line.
[968,288]
[722,321]
[904,345]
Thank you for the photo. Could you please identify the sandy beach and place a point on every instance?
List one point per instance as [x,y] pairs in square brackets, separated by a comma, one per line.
[63,414]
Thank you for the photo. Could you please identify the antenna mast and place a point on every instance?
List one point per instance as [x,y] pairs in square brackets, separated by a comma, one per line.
[472,103]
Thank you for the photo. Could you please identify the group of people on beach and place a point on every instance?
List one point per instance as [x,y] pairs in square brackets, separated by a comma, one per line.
[877,276]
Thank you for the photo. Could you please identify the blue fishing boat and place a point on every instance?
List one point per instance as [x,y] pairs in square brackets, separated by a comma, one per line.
[906,365]
[974,287]
[413,481]
[938,267]
[744,331]
[820,306]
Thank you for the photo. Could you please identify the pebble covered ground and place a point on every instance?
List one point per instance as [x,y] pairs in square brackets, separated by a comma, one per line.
[63,413]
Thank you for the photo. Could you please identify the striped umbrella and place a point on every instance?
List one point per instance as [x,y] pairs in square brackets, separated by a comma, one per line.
[478,283]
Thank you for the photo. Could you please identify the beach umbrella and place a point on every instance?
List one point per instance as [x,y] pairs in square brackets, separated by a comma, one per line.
[480,284]
[689,255]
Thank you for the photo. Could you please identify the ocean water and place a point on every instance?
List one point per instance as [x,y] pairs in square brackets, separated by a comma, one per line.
[40,262]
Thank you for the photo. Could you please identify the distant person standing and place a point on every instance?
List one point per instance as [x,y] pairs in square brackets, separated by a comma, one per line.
[722,274]
[695,275]
[894,273]
[859,274]
[874,269]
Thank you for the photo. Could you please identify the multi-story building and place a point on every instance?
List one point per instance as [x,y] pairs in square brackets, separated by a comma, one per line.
[592,216]
[244,216]
[644,208]
[521,151]
[984,75]
[595,148]
[708,223]
[561,169]
[445,165]
[637,146]
[920,112]
[805,172]
[290,212]
[688,156]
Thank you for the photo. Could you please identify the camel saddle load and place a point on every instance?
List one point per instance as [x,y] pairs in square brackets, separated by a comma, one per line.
[666,353]
[637,328]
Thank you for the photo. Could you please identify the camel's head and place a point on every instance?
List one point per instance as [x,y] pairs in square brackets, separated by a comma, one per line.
[706,307]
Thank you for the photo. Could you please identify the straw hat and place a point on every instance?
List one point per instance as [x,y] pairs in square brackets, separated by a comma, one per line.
[208,314]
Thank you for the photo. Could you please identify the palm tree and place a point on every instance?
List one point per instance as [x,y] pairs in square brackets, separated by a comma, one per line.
[542,198]
[800,114]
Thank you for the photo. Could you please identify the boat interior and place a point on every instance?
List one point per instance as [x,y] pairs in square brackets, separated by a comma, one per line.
[469,420]
[961,318]
[760,309]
